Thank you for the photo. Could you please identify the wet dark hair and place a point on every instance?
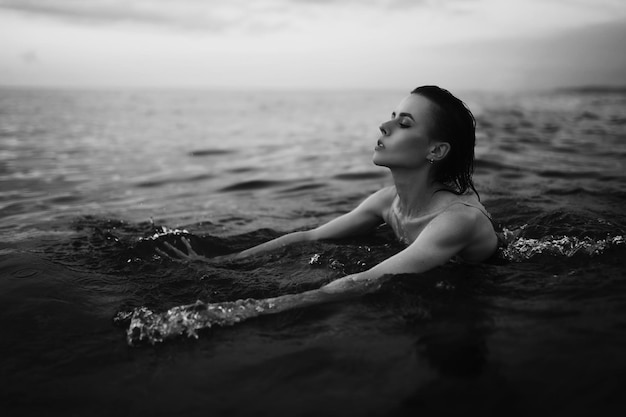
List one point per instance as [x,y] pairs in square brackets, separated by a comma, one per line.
[455,124]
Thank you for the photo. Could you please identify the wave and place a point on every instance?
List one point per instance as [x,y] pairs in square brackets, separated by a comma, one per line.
[491,164]
[211,152]
[568,174]
[587,115]
[150,183]
[617,120]
[303,187]
[253,185]
[360,175]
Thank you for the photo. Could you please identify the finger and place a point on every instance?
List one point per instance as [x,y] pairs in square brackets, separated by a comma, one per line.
[176,250]
[165,255]
[188,245]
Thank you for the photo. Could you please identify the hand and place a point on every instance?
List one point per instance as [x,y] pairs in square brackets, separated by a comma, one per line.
[180,256]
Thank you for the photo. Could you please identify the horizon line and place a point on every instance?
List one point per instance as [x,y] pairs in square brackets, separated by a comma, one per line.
[590,88]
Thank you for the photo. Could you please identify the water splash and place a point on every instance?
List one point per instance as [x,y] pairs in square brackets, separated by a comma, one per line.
[164,231]
[148,326]
[520,249]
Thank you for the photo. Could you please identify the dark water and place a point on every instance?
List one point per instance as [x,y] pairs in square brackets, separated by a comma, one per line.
[93,182]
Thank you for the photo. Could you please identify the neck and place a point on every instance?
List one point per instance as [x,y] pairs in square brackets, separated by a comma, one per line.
[415,189]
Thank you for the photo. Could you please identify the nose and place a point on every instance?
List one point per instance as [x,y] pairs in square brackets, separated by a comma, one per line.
[384,129]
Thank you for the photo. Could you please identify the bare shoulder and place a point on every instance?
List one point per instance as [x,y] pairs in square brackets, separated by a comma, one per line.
[380,200]
[387,194]
[459,219]
[465,214]
[468,227]
[463,223]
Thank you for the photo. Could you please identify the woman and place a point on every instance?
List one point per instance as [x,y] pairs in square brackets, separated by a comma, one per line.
[433,207]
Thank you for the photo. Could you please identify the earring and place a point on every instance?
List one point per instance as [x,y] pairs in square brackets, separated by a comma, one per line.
[431,160]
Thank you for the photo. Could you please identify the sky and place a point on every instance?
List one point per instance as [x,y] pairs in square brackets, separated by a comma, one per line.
[313,44]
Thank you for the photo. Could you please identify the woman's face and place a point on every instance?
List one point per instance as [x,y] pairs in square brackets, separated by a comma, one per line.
[405,141]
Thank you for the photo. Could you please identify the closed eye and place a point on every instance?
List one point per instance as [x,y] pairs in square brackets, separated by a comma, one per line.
[405,120]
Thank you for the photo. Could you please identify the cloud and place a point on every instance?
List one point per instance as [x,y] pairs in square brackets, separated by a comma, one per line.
[191,14]
[614,5]
[279,16]
[589,55]
[312,43]
[210,15]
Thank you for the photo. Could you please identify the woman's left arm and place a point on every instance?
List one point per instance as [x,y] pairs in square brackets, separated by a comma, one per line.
[446,236]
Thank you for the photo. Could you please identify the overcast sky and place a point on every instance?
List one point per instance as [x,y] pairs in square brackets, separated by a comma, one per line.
[329,44]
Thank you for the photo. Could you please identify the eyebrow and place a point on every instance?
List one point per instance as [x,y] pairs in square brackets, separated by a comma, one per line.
[403,115]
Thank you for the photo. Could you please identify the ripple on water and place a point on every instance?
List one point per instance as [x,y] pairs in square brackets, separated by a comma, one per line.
[303,187]
[365,175]
[562,173]
[160,181]
[493,165]
[253,185]
[211,152]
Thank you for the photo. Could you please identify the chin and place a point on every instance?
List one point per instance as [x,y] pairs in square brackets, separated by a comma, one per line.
[378,160]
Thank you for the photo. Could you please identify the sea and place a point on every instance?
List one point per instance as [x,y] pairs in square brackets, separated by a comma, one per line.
[94,322]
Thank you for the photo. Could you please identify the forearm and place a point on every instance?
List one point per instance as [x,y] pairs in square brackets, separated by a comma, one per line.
[277,243]
[188,319]
[350,286]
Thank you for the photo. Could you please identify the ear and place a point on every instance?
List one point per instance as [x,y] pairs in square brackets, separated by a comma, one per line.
[439,151]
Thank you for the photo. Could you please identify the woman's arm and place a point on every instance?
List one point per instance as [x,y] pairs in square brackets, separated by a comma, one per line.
[446,236]
[365,217]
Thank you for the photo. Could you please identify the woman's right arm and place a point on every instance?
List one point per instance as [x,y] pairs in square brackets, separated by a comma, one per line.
[364,218]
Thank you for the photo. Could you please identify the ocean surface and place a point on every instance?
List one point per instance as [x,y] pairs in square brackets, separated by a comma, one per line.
[92,182]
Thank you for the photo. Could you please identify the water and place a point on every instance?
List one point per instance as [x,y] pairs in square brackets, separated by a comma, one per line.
[92,182]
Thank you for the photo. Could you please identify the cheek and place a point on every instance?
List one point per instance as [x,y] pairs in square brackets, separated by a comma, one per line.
[413,145]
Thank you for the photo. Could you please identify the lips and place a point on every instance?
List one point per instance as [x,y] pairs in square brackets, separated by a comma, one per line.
[379,145]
